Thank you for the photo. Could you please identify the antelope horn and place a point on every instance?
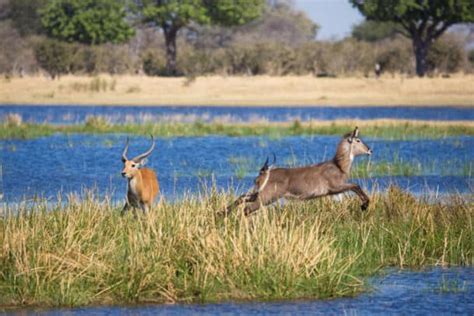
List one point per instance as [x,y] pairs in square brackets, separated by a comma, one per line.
[124,154]
[265,165]
[139,158]
[356,132]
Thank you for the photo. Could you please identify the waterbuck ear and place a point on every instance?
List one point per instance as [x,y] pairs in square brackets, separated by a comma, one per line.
[142,162]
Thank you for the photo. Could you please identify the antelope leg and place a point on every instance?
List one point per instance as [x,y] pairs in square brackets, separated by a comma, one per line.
[357,190]
[125,208]
[365,199]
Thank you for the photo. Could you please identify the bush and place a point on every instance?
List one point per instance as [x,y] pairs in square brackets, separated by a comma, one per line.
[446,55]
[470,56]
[154,64]
[54,56]
[395,57]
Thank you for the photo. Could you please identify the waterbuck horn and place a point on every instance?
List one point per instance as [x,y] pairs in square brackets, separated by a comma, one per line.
[265,165]
[124,154]
[355,133]
[139,158]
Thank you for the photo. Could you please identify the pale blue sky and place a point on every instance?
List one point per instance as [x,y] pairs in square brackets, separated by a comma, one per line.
[335,17]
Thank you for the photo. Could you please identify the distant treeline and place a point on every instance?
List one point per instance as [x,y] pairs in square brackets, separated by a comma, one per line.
[282,41]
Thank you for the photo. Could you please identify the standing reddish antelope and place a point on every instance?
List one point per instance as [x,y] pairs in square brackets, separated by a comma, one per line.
[309,182]
[143,184]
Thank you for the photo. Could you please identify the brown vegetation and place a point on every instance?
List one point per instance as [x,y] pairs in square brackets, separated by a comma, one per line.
[255,90]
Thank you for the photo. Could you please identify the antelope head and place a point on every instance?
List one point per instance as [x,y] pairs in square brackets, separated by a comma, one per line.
[264,174]
[132,167]
[357,146]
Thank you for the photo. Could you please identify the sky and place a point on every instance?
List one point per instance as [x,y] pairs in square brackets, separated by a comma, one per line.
[335,17]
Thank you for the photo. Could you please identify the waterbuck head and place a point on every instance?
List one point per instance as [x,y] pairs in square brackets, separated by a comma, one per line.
[356,145]
[264,174]
[131,167]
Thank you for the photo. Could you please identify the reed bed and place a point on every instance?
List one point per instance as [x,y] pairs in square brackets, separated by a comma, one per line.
[81,251]
[388,129]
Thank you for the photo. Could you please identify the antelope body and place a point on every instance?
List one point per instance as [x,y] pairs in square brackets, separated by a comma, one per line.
[143,186]
[308,182]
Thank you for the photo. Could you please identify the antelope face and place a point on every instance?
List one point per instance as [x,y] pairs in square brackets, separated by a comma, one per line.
[130,169]
[358,147]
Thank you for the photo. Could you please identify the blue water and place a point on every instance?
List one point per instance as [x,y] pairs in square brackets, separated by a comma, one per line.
[72,163]
[76,114]
[398,293]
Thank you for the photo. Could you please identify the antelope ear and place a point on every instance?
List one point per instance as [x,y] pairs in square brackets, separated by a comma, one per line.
[142,162]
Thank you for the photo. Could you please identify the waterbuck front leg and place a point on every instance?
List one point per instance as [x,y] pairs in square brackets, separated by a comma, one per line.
[125,208]
[357,190]
[145,208]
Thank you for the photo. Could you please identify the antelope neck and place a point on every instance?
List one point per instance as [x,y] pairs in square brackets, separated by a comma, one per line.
[343,158]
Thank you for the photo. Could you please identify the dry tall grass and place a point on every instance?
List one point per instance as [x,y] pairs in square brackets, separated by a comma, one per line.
[82,252]
[257,90]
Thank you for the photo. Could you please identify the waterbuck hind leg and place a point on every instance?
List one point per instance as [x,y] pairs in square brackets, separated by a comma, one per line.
[244,198]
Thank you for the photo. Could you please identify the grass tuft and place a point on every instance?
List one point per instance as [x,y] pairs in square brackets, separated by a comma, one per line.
[81,252]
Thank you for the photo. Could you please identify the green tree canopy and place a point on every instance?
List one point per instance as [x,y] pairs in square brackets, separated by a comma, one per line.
[421,20]
[86,21]
[373,31]
[172,15]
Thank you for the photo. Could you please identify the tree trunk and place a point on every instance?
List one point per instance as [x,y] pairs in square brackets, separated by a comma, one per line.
[421,48]
[170,41]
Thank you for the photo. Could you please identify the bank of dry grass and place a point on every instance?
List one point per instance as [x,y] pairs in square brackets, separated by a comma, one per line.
[257,90]
[82,252]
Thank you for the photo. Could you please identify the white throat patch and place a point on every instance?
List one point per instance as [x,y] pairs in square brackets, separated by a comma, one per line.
[132,184]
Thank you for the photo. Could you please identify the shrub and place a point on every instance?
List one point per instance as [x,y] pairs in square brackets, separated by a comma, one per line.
[154,64]
[54,57]
[446,55]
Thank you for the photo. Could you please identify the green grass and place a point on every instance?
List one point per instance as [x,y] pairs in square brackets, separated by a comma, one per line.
[82,252]
[399,167]
[100,125]
[446,286]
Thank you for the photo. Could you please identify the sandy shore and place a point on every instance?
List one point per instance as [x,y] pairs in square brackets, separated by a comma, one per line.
[246,91]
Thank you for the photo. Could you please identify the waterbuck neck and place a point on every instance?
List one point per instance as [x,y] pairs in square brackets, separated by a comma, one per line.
[135,182]
[344,157]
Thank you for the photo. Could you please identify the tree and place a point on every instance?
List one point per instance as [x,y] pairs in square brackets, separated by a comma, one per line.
[86,21]
[423,21]
[281,23]
[373,31]
[24,15]
[172,15]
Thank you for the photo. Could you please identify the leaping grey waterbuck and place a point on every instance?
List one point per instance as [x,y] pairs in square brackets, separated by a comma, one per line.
[309,182]
[143,186]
